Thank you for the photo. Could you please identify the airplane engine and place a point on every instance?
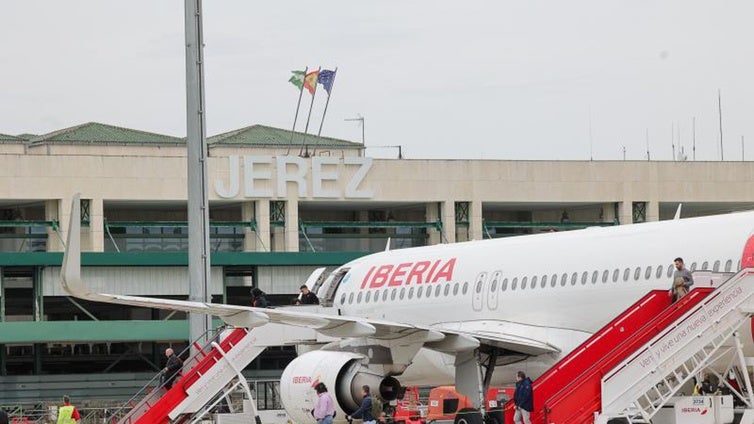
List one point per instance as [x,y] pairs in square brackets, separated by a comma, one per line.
[342,372]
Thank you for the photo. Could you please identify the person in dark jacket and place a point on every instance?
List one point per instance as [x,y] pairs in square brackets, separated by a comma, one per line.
[365,410]
[259,298]
[4,419]
[172,368]
[523,398]
[307,297]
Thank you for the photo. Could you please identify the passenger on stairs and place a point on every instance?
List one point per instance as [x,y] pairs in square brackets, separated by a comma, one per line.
[259,298]
[172,368]
[324,411]
[682,280]
[523,398]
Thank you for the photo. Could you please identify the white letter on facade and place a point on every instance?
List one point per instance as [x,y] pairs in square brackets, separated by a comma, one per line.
[352,191]
[297,177]
[250,175]
[318,176]
[233,165]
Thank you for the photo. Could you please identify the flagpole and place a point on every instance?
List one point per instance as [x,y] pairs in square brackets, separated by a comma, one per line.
[295,118]
[329,93]
[311,106]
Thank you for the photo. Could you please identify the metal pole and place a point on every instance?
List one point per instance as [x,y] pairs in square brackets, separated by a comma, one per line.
[311,106]
[196,143]
[329,93]
[298,106]
[720,116]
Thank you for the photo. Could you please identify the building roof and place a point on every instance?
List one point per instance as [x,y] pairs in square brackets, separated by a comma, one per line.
[11,138]
[95,132]
[262,135]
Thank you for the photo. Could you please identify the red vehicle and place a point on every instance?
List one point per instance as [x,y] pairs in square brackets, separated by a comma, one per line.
[407,409]
[447,405]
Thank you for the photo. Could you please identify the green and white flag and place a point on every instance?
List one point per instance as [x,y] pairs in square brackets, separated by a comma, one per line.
[297,79]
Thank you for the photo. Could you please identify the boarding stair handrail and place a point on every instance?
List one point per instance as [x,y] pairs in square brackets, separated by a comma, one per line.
[640,385]
[152,390]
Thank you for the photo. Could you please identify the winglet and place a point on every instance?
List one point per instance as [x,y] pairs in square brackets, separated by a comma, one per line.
[71,272]
[678,212]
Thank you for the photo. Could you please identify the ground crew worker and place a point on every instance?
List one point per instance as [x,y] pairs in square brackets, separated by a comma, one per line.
[523,398]
[68,414]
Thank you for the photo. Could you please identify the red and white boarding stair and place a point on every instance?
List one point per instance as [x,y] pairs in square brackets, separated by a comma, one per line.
[207,377]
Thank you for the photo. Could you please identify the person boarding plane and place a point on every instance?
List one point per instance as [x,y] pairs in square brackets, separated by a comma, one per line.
[454,313]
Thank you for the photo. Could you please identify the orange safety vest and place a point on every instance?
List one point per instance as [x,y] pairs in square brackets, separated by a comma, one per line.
[65,415]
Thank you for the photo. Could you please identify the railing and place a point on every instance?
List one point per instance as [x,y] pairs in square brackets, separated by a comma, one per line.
[341,236]
[25,236]
[171,236]
[496,229]
[152,391]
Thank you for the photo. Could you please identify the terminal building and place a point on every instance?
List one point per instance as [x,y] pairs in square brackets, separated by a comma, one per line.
[281,205]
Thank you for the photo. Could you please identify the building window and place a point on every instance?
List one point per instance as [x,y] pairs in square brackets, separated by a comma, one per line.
[639,210]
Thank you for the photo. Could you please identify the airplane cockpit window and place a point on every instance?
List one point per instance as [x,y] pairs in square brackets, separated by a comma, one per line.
[728,265]
[626,273]
[574,277]
[705,265]
[503,287]
[595,277]
[716,266]
[659,271]
[605,276]
[637,273]
[543,284]
[584,277]
[466,287]
[563,280]
[616,274]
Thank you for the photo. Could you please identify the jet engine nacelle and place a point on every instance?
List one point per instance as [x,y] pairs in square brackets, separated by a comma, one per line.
[342,372]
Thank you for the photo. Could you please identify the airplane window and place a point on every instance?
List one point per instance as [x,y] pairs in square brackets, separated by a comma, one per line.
[616,273]
[659,271]
[605,275]
[504,286]
[716,266]
[637,273]
[350,298]
[478,288]
[343,299]
[403,293]
[447,289]
[523,282]
[648,273]
[728,265]
[358,298]
[419,292]
[493,286]
[693,266]
[393,293]
[411,293]
[465,287]
[574,277]
[543,284]
[670,270]
[384,295]
[705,264]
[626,273]
[595,277]
[584,277]
[437,290]
[514,283]
[534,282]
[563,280]
[553,280]
[455,289]
[368,297]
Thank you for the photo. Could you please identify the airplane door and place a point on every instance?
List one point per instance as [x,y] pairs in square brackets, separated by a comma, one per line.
[477,294]
[492,291]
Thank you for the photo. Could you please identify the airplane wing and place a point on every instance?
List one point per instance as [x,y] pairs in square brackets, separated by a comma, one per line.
[441,339]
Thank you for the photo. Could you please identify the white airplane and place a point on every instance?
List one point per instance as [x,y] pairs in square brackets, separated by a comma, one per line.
[442,314]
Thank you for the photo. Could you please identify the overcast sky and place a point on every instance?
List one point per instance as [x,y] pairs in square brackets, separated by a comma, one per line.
[445,79]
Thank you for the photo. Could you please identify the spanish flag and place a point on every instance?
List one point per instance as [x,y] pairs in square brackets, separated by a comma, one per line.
[310,81]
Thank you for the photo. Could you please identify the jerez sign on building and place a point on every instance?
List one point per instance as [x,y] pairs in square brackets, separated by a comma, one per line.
[317,178]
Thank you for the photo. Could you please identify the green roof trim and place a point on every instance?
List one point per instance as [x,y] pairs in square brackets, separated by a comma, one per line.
[262,135]
[95,132]
[7,137]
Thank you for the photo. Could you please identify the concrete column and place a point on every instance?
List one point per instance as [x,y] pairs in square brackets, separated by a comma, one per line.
[448,217]
[57,210]
[653,210]
[365,242]
[431,214]
[626,212]
[476,232]
[96,225]
[608,212]
[291,226]
[249,236]
[262,213]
